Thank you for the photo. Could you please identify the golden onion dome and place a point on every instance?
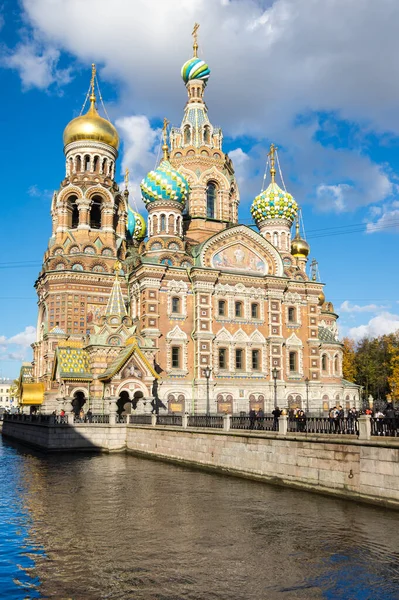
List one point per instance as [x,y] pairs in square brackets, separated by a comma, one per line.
[91,127]
[322,298]
[299,248]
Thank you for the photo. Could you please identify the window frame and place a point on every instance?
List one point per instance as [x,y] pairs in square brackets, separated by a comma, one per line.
[238,304]
[293,355]
[255,305]
[222,303]
[222,353]
[293,320]
[239,354]
[175,364]
[176,299]
[256,352]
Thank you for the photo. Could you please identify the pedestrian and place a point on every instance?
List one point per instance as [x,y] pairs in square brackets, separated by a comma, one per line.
[352,418]
[390,419]
[260,415]
[332,417]
[62,416]
[301,421]
[89,415]
[252,418]
[276,415]
[81,415]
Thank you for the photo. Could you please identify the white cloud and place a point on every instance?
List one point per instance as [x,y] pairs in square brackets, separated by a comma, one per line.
[381,324]
[37,66]
[387,218]
[24,338]
[270,62]
[141,145]
[347,307]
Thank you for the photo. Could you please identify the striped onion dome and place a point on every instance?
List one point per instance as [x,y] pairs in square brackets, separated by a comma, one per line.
[274,203]
[164,183]
[195,68]
[136,225]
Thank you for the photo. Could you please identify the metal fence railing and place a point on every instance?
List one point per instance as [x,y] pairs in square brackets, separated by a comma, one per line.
[215,422]
[251,423]
[323,425]
[169,420]
[140,419]
[384,426]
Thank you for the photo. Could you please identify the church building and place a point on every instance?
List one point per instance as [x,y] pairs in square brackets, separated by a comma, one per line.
[184,310]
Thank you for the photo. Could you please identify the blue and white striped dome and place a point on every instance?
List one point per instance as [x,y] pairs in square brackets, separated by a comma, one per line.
[136,225]
[195,68]
[164,183]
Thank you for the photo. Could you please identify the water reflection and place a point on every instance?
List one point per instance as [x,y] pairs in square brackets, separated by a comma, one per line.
[118,527]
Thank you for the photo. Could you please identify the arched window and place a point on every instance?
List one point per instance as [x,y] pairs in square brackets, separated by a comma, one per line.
[104,167]
[96,164]
[222,308]
[163,222]
[336,365]
[95,213]
[87,162]
[176,305]
[291,314]
[116,214]
[78,164]
[275,238]
[73,220]
[210,200]
[293,362]
[324,362]
[187,134]
[207,134]
[70,166]
[238,309]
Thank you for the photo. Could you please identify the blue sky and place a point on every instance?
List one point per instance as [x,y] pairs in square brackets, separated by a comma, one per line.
[318,78]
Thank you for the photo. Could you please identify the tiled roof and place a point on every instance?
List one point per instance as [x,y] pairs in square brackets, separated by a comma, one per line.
[116,304]
[73,363]
[58,330]
[327,336]
[122,359]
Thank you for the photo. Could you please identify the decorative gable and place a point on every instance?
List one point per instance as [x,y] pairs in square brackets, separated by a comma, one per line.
[240,249]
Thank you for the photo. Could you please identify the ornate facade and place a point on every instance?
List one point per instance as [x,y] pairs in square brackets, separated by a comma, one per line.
[136,318]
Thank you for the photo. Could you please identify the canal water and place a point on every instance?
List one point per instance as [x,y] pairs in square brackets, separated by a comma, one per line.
[117,527]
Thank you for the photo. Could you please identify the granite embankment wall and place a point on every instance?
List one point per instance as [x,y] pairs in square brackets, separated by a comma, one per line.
[366,471]
[80,436]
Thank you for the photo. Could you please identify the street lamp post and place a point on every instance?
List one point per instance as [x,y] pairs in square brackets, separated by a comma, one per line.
[307,395]
[207,373]
[275,375]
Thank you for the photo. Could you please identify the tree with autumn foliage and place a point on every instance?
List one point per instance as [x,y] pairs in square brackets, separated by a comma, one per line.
[349,359]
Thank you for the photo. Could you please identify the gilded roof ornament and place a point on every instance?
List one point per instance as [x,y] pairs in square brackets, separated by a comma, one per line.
[272,156]
[195,39]
[165,147]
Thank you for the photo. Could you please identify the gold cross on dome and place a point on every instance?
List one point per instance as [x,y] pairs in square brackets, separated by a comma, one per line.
[126,178]
[194,34]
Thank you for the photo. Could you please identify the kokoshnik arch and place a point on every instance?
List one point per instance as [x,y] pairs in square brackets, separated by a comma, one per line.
[135,310]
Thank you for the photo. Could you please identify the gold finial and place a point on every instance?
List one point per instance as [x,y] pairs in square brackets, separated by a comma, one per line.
[165,146]
[297,234]
[195,44]
[271,155]
[117,268]
[92,85]
[126,178]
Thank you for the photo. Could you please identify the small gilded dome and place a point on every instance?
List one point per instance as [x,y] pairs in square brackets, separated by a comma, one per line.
[195,68]
[164,183]
[322,298]
[136,225]
[91,127]
[274,203]
[299,248]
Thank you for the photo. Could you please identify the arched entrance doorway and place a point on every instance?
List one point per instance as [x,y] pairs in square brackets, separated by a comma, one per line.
[124,404]
[77,402]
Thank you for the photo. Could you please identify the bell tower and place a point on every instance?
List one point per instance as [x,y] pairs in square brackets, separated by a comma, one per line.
[197,153]
[89,232]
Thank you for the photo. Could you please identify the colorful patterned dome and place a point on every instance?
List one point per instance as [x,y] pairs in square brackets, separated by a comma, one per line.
[195,68]
[136,225]
[165,183]
[274,203]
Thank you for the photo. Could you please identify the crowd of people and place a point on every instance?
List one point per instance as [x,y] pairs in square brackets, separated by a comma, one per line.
[384,422]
